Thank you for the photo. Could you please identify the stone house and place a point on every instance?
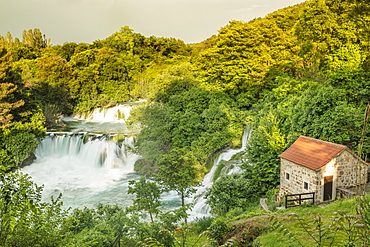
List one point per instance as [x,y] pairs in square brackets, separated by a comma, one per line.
[326,168]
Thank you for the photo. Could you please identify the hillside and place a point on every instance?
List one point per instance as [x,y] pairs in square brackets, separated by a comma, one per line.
[337,223]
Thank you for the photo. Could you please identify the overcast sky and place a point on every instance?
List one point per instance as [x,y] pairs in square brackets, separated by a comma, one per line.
[88,20]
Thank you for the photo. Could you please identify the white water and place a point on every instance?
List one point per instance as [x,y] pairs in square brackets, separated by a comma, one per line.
[86,173]
[201,208]
[116,113]
[85,165]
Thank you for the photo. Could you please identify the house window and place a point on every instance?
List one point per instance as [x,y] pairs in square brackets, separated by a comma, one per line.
[287,176]
[305,185]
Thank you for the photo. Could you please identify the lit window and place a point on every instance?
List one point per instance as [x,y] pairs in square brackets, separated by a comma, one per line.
[305,185]
[287,176]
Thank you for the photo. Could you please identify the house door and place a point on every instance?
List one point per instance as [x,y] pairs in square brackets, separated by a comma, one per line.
[328,188]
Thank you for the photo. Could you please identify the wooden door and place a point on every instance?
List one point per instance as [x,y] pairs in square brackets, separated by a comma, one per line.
[328,188]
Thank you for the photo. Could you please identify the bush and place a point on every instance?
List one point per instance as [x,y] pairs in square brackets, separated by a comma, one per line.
[228,192]
[218,230]
[202,224]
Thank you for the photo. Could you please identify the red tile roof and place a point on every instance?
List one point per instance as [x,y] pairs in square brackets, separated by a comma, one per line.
[311,153]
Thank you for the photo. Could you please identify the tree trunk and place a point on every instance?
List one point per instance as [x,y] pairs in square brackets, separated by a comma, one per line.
[183,205]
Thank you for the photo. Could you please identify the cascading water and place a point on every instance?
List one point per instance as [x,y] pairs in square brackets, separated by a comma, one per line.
[85,162]
[201,208]
[86,169]
[116,113]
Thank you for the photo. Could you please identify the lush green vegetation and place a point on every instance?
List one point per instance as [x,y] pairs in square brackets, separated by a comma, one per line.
[302,70]
[26,221]
[343,223]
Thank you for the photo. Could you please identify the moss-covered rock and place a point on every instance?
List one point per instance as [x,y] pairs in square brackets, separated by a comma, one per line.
[28,161]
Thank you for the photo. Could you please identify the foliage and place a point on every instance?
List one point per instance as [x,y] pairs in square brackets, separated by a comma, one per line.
[96,227]
[244,55]
[52,86]
[322,28]
[108,224]
[343,230]
[229,192]
[218,229]
[202,224]
[24,219]
[362,208]
[181,237]
[19,140]
[180,171]
[104,77]
[7,103]
[147,195]
[34,38]
[193,118]
[155,138]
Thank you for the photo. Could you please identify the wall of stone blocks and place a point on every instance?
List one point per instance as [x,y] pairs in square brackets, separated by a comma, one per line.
[298,175]
[350,171]
[347,171]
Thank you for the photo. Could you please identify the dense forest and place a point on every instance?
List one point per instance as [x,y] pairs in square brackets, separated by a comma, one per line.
[302,70]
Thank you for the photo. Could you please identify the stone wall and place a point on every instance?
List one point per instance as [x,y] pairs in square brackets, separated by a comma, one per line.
[298,175]
[348,166]
[347,171]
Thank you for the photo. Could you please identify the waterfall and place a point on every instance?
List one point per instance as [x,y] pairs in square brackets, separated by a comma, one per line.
[118,113]
[83,165]
[201,208]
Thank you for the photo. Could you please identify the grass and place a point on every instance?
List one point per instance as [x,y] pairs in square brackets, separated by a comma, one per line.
[251,226]
[308,215]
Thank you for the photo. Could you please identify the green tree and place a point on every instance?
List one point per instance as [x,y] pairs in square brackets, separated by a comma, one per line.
[54,87]
[155,137]
[8,103]
[34,38]
[19,140]
[66,51]
[345,69]
[323,113]
[158,83]
[147,195]
[103,77]
[98,227]
[229,192]
[180,171]
[360,15]
[323,27]
[24,219]
[244,56]
[125,41]
[266,143]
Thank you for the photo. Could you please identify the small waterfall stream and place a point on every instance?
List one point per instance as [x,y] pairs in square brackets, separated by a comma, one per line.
[201,208]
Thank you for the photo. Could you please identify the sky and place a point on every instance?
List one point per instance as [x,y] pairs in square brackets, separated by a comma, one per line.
[87,20]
